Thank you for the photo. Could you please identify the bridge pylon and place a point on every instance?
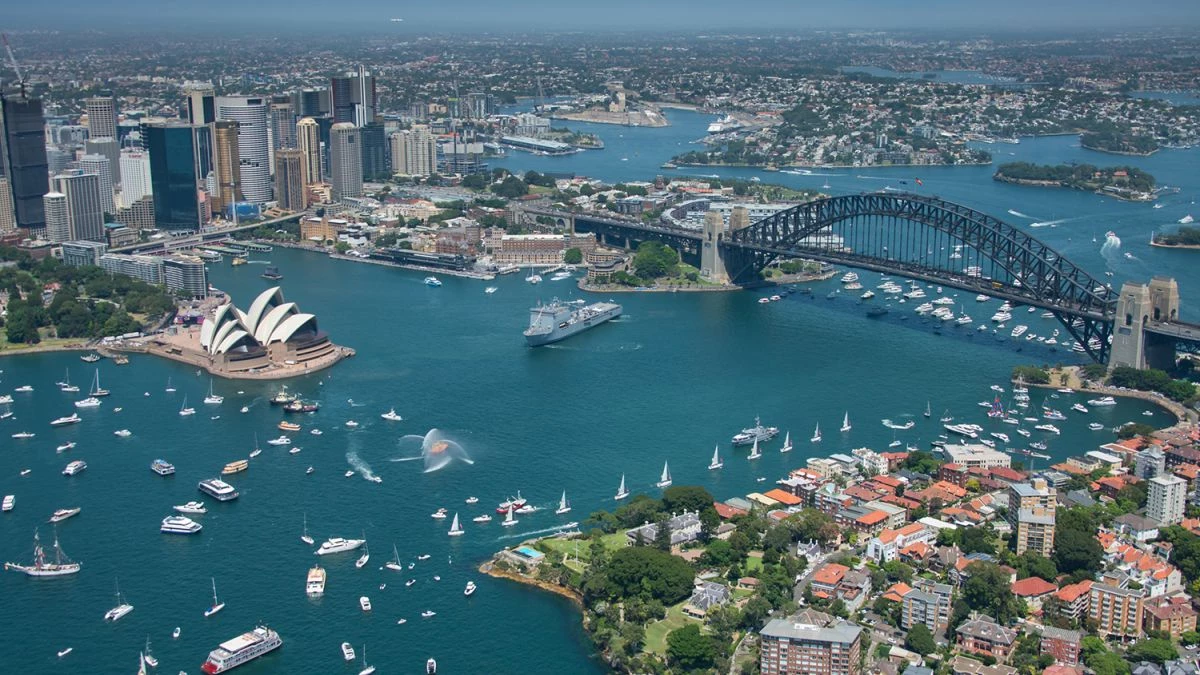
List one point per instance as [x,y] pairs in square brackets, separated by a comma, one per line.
[1138,306]
[712,265]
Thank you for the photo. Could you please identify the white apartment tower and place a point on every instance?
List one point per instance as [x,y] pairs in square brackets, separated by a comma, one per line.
[345,161]
[1166,498]
[254,143]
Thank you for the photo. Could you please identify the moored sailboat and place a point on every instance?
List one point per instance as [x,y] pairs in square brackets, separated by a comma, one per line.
[755,453]
[217,604]
[816,438]
[509,521]
[61,566]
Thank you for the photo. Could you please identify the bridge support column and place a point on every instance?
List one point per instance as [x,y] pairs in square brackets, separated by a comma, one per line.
[1137,306]
[712,265]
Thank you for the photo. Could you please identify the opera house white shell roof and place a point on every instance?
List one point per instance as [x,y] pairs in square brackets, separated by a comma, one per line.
[269,320]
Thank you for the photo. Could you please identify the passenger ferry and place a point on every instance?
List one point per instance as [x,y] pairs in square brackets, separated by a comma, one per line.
[315,585]
[218,489]
[241,649]
[236,467]
[288,426]
[75,467]
[180,525]
[162,467]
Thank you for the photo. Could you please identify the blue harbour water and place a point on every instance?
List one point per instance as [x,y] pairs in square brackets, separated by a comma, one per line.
[678,374]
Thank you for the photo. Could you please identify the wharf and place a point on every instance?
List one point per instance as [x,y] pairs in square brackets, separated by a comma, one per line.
[485,276]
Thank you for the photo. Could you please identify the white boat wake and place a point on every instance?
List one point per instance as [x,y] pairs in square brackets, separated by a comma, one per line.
[1018,214]
[861,177]
[1053,223]
[359,465]
[544,530]
[1111,248]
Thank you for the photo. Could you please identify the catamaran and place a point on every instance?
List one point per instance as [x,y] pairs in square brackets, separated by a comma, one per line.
[120,610]
[846,423]
[622,493]
[817,434]
[212,398]
[716,462]
[217,604]
[170,387]
[665,480]
[184,411]
[61,566]
[787,442]
[456,530]
[755,453]
[563,505]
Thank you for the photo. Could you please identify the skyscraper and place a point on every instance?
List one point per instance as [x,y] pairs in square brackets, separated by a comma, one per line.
[110,148]
[353,97]
[283,122]
[135,176]
[414,152]
[308,139]
[99,165]
[8,219]
[374,151]
[58,220]
[201,104]
[84,206]
[180,159]
[311,102]
[102,115]
[291,184]
[23,158]
[345,161]
[254,149]
[226,166]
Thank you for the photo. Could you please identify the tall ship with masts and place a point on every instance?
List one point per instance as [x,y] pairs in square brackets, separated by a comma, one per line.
[61,566]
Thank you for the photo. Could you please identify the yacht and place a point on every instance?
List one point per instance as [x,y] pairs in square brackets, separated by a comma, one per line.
[180,525]
[73,418]
[440,514]
[967,430]
[24,389]
[282,440]
[212,398]
[534,278]
[362,559]
[184,410]
[314,586]
[1096,426]
[1103,401]
[62,514]
[509,521]
[1019,331]
[366,669]
[787,442]
[849,278]
[66,386]
[755,453]
[563,505]
[1079,407]
[716,462]
[24,434]
[339,545]
[394,563]
[485,518]
[7,504]
[665,480]
[1048,427]
[235,467]
[392,415]
[351,423]
[622,493]
[74,467]
[846,423]
[218,489]
[365,603]
[61,566]
[97,391]
[123,433]
[120,610]
[470,589]
[431,667]
[89,402]
[428,613]
[1000,435]
[217,604]
[816,437]
[432,281]
[191,507]
[162,467]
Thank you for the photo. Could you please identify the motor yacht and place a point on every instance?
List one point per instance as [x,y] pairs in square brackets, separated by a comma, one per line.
[282,440]
[314,585]
[339,545]
[123,433]
[74,467]
[73,418]
[391,415]
[62,514]
[191,507]
[470,589]
[180,525]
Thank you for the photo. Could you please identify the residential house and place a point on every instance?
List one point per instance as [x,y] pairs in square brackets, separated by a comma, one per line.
[705,596]
[1172,615]
[825,580]
[1064,645]
[1135,526]
[886,546]
[1033,590]
[982,635]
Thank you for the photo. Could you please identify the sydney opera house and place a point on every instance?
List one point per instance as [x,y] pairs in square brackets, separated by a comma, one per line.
[272,339]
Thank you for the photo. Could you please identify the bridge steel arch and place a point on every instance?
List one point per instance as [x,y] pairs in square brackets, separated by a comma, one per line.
[936,241]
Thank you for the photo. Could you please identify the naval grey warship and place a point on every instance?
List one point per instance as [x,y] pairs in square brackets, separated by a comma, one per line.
[560,320]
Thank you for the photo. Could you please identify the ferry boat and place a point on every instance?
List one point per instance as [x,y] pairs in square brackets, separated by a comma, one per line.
[559,320]
[61,566]
[62,514]
[73,418]
[272,273]
[238,261]
[191,507]
[757,432]
[288,426]
[241,649]
[314,586]
[432,281]
[180,525]
[218,489]
[235,467]
[74,467]
[339,545]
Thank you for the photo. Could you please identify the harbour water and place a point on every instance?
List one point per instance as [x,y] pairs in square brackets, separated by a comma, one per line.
[675,375]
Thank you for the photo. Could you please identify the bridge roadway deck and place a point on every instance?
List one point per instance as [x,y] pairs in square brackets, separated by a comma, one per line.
[1176,329]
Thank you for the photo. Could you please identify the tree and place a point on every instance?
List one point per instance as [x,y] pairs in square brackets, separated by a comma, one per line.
[641,571]
[572,256]
[987,590]
[689,649]
[718,553]
[1030,564]
[1076,550]
[1156,650]
[511,188]
[978,540]
[662,534]
[813,525]
[920,640]
[680,498]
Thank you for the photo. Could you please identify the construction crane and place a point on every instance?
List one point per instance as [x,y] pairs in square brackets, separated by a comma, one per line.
[12,61]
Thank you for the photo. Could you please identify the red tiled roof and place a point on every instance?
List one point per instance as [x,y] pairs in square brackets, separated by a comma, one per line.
[1031,587]
[872,518]
[1072,592]
[830,574]
[782,497]
[897,591]
[726,511]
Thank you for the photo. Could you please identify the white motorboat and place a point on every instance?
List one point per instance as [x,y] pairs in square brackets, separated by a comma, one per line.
[282,440]
[339,545]
[24,389]
[716,462]
[347,651]
[351,423]
[180,525]
[73,418]
[440,514]
[349,473]
[24,434]
[1048,427]
[62,514]
[191,507]
[8,503]
[428,613]
[470,589]
[432,281]
[472,500]
[74,467]
[392,415]
[175,633]
[665,480]
[89,402]
[245,409]
[123,433]
[563,505]
[456,530]
[294,451]
[485,518]
[217,604]
[315,432]
[490,289]
[365,603]
[64,652]
[1095,426]
[1103,401]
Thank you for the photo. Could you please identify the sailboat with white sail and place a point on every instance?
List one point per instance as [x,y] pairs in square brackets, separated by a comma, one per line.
[394,563]
[622,493]
[816,438]
[665,480]
[509,521]
[755,453]
[212,398]
[367,669]
[928,412]
[563,505]
[217,604]
[787,442]
[257,450]
[456,530]
[846,423]
[716,462]
[362,559]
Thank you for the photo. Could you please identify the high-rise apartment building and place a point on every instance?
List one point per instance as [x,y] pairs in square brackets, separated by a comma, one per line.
[102,115]
[254,148]
[201,103]
[414,152]
[226,166]
[291,184]
[23,158]
[1165,499]
[345,161]
[99,165]
[353,97]
[8,218]
[1149,463]
[58,220]
[1116,611]
[135,176]
[180,159]
[790,648]
[186,275]
[1031,515]
[283,122]
[308,140]
[85,209]
[374,152]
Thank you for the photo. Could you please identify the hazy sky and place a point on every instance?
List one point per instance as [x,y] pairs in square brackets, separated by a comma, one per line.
[509,15]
